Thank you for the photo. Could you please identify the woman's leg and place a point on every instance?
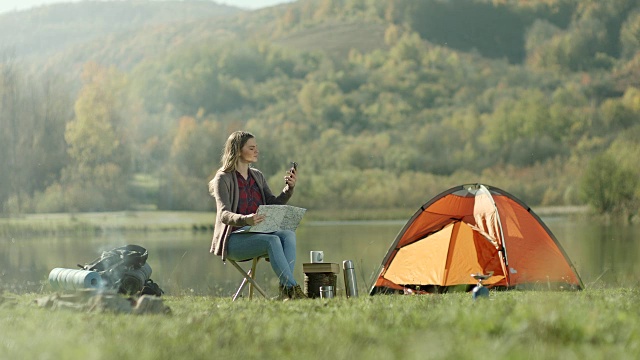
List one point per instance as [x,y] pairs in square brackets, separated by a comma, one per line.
[279,247]
[288,241]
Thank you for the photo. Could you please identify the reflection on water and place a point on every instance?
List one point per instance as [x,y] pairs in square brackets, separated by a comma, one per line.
[604,255]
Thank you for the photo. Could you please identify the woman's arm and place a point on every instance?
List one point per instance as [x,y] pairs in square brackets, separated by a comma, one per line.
[269,197]
[220,188]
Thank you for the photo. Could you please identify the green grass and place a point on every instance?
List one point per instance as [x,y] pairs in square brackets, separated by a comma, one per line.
[592,324]
[107,221]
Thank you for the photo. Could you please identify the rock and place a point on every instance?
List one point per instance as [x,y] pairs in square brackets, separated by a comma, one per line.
[101,301]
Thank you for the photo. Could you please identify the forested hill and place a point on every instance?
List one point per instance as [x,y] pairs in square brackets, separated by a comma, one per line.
[52,28]
[382,103]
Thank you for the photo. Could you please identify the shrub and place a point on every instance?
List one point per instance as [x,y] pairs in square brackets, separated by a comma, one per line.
[607,186]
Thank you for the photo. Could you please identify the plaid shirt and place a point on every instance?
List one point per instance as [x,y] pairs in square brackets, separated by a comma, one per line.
[250,197]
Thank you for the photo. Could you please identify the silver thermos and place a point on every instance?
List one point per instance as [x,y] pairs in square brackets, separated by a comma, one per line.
[350,285]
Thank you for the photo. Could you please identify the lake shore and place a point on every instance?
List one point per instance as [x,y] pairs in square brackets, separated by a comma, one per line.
[200,221]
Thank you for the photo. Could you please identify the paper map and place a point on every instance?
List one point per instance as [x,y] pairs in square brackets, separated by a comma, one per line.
[278,217]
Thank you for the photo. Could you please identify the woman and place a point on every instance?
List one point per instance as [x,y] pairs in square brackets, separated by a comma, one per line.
[239,189]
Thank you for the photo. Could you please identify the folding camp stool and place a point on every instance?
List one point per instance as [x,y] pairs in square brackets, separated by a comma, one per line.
[248,276]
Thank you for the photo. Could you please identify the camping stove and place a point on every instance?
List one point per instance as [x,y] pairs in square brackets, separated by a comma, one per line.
[481,291]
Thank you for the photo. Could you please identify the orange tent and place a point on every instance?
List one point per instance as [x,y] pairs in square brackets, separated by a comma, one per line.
[472,229]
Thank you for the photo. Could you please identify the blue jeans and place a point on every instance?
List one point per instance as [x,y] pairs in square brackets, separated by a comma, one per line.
[279,246]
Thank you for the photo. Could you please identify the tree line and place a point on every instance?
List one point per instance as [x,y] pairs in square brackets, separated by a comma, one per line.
[553,118]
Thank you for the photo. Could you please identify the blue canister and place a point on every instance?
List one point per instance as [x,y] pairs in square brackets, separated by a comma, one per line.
[73,279]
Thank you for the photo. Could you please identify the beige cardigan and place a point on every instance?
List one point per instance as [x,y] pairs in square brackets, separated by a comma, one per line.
[224,188]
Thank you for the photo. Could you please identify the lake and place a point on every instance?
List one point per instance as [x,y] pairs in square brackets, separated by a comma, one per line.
[604,255]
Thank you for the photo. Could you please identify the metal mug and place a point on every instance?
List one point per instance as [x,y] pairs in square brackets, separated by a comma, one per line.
[326,292]
[317,256]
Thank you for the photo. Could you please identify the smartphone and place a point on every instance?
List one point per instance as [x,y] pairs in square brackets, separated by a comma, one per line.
[293,166]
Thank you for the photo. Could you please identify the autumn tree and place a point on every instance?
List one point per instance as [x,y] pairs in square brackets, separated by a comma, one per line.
[33,114]
[630,35]
[194,158]
[10,89]
[98,143]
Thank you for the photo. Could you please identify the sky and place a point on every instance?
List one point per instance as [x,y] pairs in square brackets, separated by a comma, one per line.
[12,5]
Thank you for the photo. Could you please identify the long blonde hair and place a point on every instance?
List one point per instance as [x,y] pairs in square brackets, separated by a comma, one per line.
[233,150]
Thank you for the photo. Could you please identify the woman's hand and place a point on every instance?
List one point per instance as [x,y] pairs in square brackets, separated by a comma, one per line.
[291,178]
[254,219]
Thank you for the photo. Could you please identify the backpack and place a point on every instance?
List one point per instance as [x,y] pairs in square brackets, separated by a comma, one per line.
[125,269]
